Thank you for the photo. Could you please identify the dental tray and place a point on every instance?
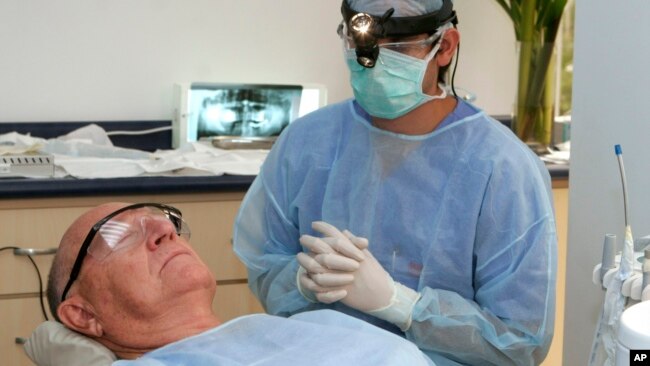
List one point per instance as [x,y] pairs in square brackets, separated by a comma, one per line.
[240,142]
[26,165]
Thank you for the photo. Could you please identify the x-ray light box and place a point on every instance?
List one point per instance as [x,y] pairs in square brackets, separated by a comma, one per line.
[257,111]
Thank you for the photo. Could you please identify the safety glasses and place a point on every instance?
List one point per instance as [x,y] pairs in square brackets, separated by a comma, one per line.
[122,229]
[405,47]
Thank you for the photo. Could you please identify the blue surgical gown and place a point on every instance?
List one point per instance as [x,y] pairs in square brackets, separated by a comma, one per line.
[463,214]
[322,337]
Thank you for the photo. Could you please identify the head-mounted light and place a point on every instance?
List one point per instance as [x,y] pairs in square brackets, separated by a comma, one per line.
[365,29]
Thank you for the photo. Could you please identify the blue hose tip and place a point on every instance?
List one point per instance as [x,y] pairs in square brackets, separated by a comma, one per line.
[618,149]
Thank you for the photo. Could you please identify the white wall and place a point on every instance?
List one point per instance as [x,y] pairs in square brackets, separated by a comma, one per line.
[610,92]
[93,60]
[488,62]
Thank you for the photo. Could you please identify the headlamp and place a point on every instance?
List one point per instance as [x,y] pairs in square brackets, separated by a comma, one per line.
[361,28]
[365,29]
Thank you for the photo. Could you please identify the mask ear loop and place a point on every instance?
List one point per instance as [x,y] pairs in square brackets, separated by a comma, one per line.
[430,57]
[443,94]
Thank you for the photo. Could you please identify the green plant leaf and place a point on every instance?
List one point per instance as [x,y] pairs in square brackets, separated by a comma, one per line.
[505,6]
[536,23]
[516,19]
[534,19]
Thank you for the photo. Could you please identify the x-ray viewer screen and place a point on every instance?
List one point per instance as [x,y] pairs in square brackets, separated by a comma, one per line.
[243,110]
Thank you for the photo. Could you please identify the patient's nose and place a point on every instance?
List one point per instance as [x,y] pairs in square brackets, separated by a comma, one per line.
[157,231]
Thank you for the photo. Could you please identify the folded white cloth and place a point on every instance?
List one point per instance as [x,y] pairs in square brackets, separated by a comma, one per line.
[89,153]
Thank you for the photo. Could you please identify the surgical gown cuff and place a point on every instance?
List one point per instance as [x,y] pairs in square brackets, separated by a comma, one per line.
[400,309]
[303,291]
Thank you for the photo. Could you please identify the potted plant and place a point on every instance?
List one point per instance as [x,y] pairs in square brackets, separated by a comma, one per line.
[536,24]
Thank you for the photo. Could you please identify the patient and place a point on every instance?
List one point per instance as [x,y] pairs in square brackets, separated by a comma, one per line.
[125,276]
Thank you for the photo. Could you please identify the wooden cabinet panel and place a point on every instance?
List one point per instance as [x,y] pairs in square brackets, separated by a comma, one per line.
[19,318]
[235,300]
[30,228]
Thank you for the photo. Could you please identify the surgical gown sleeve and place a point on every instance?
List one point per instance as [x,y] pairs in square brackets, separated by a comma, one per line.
[510,320]
[280,205]
[266,240]
[271,267]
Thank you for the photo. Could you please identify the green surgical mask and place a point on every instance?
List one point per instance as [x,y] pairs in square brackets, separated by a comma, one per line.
[394,86]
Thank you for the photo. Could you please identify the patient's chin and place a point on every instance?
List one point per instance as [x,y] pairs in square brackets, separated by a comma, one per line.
[183,273]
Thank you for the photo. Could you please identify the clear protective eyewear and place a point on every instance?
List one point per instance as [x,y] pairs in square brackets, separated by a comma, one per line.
[122,229]
[405,47]
[130,228]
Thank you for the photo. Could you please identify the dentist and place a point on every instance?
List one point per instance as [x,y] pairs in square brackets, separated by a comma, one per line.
[407,206]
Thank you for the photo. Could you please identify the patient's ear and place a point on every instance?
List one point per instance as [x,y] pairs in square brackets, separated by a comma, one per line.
[77,314]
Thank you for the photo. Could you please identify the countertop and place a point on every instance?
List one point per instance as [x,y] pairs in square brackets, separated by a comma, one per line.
[48,187]
[44,187]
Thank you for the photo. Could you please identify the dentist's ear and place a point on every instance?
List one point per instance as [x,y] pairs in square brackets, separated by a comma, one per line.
[448,46]
[78,314]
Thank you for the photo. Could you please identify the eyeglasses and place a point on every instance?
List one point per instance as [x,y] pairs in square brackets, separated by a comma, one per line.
[118,231]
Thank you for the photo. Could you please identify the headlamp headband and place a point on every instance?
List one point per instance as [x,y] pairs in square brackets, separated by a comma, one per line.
[389,26]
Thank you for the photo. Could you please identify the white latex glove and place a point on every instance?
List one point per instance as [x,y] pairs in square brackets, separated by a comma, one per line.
[328,266]
[373,290]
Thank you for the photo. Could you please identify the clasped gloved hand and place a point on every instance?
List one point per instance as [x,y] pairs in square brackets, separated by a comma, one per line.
[339,267]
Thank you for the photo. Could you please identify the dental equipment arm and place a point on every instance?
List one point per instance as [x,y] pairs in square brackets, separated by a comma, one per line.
[603,347]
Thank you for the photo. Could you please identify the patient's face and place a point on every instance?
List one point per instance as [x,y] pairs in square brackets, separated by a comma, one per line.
[145,280]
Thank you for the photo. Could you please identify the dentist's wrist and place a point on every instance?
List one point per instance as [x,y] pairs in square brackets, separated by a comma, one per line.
[400,309]
[307,294]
